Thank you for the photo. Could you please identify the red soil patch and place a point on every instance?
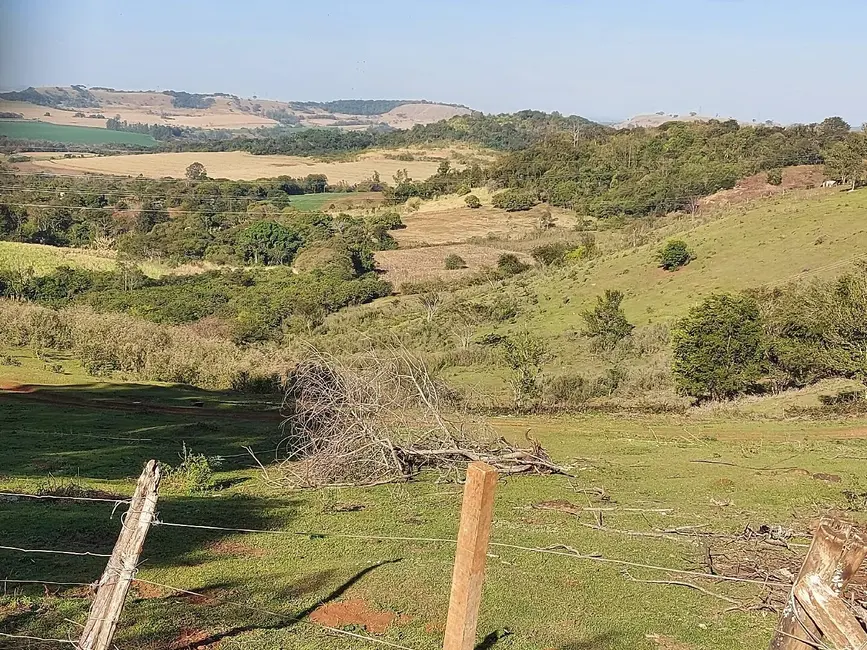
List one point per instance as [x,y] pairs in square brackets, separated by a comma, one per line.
[222,547]
[191,638]
[757,186]
[15,387]
[147,591]
[353,612]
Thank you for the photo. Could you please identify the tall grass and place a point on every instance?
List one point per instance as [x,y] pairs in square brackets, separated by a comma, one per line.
[108,343]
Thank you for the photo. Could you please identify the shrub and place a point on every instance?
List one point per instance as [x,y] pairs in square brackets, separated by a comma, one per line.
[606,323]
[718,347]
[565,391]
[195,473]
[454,262]
[509,264]
[674,255]
[413,204]
[514,200]
[9,360]
[463,189]
[552,254]
[775,177]
[472,201]
[524,354]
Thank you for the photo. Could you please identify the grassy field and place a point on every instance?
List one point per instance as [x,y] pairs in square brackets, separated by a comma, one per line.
[45,259]
[28,130]
[239,165]
[398,590]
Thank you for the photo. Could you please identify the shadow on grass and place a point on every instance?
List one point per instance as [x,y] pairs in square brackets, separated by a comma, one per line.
[291,619]
[105,432]
[94,528]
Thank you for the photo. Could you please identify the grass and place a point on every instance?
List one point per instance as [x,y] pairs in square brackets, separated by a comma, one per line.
[545,601]
[29,130]
[318,201]
[45,259]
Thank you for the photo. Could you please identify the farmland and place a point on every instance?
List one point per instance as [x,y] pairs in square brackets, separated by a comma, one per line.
[243,166]
[18,129]
[398,590]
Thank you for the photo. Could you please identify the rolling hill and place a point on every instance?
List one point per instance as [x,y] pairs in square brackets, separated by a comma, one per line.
[81,106]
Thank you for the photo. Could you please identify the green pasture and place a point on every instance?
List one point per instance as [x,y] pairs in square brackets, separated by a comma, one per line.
[531,600]
[32,130]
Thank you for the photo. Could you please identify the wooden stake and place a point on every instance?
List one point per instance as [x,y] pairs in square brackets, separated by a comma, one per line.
[472,550]
[837,551]
[115,581]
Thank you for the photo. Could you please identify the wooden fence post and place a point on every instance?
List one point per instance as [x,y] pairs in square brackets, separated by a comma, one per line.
[115,581]
[472,550]
[814,611]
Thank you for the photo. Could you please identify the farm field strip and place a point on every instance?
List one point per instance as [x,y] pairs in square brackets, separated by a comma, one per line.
[21,129]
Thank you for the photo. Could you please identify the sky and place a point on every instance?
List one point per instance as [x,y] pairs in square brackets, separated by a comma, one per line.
[783,60]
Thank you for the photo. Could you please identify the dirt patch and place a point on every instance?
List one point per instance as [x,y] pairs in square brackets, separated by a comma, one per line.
[192,638]
[354,612]
[667,642]
[224,547]
[757,186]
[146,591]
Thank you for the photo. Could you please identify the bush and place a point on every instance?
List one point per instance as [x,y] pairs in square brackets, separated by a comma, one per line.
[463,189]
[454,262]
[553,254]
[509,264]
[472,201]
[718,347]
[606,323]
[195,473]
[674,255]
[514,200]
[524,354]
[775,177]
[566,391]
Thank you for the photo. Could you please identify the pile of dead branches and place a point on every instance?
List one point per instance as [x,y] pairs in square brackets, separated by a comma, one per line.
[382,418]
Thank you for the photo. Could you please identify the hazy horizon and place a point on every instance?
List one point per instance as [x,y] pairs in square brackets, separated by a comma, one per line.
[774,60]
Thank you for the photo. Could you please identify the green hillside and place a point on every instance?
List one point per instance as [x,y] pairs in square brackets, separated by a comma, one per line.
[798,236]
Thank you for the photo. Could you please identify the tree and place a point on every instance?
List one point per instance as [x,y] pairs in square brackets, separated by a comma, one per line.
[431,302]
[718,347]
[472,201]
[845,161]
[514,200]
[267,242]
[525,355]
[674,255]
[606,323]
[196,172]
[775,177]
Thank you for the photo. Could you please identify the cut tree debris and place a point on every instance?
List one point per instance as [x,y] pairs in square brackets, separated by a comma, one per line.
[382,418]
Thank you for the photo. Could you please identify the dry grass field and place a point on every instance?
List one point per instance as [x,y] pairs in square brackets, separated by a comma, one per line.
[422,264]
[457,225]
[237,165]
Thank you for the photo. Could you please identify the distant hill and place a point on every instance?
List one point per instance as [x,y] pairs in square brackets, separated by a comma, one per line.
[651,120]
[80,105]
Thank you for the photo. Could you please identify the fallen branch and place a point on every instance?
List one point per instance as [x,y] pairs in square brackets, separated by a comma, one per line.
[689,585]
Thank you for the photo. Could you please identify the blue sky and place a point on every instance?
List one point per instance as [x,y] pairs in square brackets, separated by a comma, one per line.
[786,60]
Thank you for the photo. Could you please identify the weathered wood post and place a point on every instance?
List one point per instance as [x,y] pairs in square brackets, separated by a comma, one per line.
[120,570]
[472,550]
[815,611]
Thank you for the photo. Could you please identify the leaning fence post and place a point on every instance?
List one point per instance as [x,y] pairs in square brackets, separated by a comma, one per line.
[115,581]
[472,550]
[836,553]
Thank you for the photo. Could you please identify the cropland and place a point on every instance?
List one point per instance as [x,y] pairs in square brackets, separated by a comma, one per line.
[238,165]
[72,134]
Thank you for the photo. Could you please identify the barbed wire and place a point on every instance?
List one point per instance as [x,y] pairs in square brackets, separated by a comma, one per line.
[37,638]
[48,551]
[63,498]
[47,582]
[558,549]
